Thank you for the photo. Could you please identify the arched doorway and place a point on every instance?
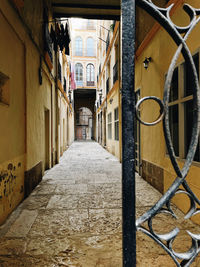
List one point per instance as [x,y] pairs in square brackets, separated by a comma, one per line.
[84,124]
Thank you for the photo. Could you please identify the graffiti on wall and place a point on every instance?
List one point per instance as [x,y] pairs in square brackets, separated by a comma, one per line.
[8,180]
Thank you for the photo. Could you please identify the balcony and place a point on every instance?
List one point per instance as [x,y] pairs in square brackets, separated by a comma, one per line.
[90,83]
[115,72]
[85,83]
[107,85]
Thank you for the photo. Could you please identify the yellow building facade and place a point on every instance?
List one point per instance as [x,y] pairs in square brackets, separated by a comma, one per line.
[155,165]
[35,110]
[108,103]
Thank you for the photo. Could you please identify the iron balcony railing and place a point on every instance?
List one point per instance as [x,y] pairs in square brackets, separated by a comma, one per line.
[87,83]
[59,71]
[90,83]
[115,72]
[107,85]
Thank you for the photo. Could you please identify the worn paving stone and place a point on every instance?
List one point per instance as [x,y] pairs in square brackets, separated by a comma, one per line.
[71,189]
[12,246]
[105,220]
[74,217]
[44,189]
[60,222]
[35,202]
[22,225]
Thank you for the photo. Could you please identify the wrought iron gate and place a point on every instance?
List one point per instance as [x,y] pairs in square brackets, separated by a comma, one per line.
[129,114]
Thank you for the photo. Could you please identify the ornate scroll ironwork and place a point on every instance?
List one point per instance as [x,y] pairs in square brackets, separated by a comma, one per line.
[179,35]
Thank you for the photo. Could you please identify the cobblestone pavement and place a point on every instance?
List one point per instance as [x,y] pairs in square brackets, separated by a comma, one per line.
[73,218]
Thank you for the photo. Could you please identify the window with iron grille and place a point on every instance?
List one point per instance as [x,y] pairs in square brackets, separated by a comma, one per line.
[109,125]
[181,109]
[79,73]
[116,123]
[90,74]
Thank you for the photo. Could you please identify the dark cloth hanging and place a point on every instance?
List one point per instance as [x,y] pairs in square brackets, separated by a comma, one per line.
[60,37]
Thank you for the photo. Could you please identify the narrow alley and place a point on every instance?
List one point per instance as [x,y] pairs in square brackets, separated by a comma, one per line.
[73,217]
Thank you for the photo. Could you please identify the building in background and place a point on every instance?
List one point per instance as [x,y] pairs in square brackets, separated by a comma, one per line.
[83,60]
[108,102]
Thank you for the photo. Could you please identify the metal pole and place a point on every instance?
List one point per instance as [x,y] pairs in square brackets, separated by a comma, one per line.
[128,147]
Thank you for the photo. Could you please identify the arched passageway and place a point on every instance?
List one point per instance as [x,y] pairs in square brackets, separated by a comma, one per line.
[84,124]
[85,119]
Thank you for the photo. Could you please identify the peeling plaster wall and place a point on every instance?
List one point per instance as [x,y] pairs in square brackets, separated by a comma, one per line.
[11,185]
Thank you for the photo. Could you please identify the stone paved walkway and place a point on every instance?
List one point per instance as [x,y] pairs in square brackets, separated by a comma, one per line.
[73,218]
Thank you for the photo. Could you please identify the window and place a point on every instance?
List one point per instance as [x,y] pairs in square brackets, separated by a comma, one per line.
[78,46]
[110,125]
[79,73]
[181,109]
[90,47]
[90,25]
[90,74]
[116,122]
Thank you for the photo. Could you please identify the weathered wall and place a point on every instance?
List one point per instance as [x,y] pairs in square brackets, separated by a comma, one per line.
[31,139]
[151,81]
[38,100]
[12,119]
[25,129]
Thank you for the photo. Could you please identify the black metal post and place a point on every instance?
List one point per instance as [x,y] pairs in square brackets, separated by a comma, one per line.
[128,147]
